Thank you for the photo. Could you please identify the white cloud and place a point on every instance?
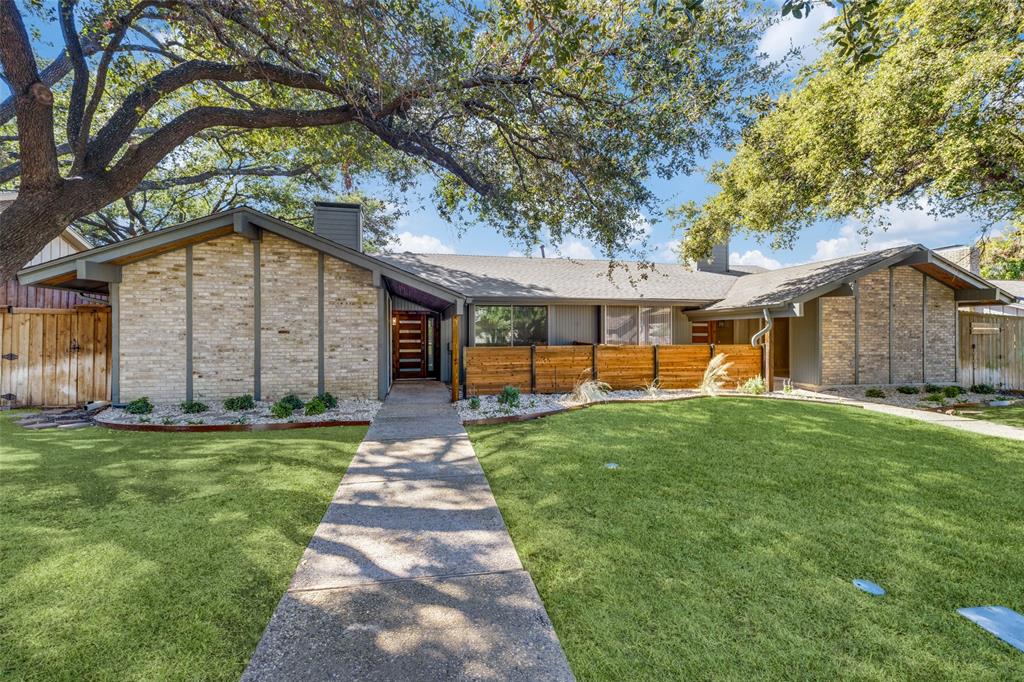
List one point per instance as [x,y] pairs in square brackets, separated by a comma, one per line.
[420,243]
[643,229]
[754,257]
[906,226]
[790,32]
[850,242]
[667,252]
[574,248]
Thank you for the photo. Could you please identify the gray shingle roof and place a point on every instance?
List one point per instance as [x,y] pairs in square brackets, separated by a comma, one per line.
[485,277]
[1011,286]
[780,287]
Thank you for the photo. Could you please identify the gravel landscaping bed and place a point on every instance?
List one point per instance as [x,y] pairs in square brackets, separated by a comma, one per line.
[171,415]
[918,400]
[530,403]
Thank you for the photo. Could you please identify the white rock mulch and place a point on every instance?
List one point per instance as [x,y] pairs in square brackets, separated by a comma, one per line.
[171,414]
[530,403]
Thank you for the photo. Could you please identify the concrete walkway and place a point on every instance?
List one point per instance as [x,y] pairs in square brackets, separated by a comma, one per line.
[953,421]
[411,574]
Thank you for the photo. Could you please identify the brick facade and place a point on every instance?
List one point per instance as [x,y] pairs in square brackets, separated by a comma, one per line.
[907,365]
[940,333]
[288,318]
[837,333]
[350,330]
[923,312]
[873,360]
[153,325]
[222,318]
[152,328]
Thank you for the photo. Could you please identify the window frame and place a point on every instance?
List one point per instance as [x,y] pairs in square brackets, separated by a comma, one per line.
[639,324]
[512,324]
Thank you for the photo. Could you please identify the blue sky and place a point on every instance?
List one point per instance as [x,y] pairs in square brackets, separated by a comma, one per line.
[422,230]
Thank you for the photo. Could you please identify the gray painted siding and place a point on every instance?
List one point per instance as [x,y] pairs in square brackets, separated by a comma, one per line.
[682,330]
[341,224]
[446,350]
[568,324]
[804,347]
[405,304]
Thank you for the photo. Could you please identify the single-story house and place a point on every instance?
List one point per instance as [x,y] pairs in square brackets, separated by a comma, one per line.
[241,302]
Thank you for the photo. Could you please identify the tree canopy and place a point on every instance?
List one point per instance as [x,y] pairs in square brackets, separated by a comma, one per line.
[531,116]
[932,115]
[1002,256]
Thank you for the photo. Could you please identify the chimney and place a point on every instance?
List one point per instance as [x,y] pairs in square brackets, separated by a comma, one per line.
[341,223]
[967,257]
[718,261]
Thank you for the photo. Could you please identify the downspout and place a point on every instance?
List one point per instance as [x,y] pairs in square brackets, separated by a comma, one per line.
[769,322]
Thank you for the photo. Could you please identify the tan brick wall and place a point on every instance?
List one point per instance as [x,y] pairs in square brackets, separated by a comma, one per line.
[907,328]
[152,328]
[837,340]
[350,330]
[874,328]
[940,333]
[288,318]
[222,318]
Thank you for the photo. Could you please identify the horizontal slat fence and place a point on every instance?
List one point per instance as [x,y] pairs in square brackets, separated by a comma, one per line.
[55,357]
[557,369]
[992,350]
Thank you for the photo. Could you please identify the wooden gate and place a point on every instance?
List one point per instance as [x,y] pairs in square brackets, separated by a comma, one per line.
[54,357]
[992,350]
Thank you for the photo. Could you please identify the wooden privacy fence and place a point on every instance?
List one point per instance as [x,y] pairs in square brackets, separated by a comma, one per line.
[992,350]
[557,369]
[55,357]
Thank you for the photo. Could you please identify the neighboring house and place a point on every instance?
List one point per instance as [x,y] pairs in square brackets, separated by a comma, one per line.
[241,302]
[13,294]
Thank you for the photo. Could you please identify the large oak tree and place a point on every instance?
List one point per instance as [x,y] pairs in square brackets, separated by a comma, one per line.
[532,115]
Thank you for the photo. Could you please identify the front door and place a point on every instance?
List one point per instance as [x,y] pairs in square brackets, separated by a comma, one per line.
[413,345]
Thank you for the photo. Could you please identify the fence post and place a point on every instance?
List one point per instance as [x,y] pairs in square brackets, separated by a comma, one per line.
[593,361]
[657,365]
[533,368]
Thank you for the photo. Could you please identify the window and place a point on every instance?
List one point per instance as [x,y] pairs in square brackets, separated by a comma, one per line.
[632,325]
[505,325]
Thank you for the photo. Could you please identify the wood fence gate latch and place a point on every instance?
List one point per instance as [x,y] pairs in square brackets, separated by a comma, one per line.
[10,356]
[74,346]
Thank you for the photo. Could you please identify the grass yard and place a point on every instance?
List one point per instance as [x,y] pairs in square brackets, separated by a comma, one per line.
[724,544]
[150,556]
[1012,415]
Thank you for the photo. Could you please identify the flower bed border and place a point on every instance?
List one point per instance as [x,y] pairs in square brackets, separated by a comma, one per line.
[512,418]
[207,428]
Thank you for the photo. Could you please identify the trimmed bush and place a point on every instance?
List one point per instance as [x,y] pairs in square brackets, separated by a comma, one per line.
[238,403]
[952,391]
[754,385]
[315,406]
[984,389]
[280,410]
[937,397]
[193,407]
[329,401]
[474,403]
[909,390]
[139,406]
[933,388]
[509,397]
[874,393]
[292,401]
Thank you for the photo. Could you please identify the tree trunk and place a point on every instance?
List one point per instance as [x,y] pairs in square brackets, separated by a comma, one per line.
[27,225]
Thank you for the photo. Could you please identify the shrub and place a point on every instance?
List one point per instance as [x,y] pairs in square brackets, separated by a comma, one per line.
[139,406]
[984,389]
[787,386]
[238,403]
[715,375]
[909,390]
[280,410]
[936,397]
[329,401]
[754,385]
[952,391]
[315,406]
[292,401]
[933,388]
[474,403]
[874,393]
[509,397]
[589,391]
[194,407]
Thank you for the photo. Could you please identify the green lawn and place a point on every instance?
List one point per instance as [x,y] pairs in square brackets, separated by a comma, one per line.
[148,556]
[724,544]
[1012,415]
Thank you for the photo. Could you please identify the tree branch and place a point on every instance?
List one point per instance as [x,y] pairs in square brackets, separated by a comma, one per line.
[255,171]
[80,84]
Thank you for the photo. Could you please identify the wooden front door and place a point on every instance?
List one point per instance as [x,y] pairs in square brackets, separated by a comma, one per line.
[413,343]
